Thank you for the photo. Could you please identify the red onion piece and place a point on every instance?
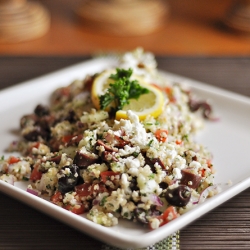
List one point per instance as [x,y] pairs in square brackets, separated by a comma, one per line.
[32,191]
[205,193]
[194,199]
[204,106]
[156,200]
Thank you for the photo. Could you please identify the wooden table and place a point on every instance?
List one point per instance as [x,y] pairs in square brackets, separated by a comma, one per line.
[226,227]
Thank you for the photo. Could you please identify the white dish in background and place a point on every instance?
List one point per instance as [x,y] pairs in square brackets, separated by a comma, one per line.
[228,140]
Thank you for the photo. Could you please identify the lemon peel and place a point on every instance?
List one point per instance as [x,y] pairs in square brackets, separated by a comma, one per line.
[100,84]
[147,104]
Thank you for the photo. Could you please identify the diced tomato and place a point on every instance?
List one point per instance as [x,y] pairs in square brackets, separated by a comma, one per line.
[102,188]
[84,189]
[13,160]
[157,86]
[36,145]
[65,91]
[107,175]
[33,145]
[56,198]
[161,134]
[178,142]
[87,189]
[202,172]
[36,174]
[168,90]
[120,141]
[67,138]
[169,214]
[209,163]
[76,209]
[211,166]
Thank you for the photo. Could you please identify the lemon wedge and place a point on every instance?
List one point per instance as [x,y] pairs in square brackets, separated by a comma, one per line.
[147,104]
[100,84]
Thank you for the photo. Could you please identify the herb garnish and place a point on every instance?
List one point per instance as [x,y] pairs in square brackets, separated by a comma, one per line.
[121,90]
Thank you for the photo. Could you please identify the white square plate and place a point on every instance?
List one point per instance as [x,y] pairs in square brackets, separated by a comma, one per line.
[228,140]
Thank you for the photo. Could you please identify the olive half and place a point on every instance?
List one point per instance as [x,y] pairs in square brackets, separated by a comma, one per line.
[70,177]
[179,196]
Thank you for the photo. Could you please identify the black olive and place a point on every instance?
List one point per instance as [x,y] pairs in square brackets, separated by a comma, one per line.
[34,134]
[163,185]
[71,116]
[179,196]
[133,184]
[140,215]
[28,120]
[69,179]
[41,110]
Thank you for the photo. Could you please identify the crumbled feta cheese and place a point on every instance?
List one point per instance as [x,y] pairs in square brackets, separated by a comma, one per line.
[177,173]
[154,223]
[20,169]
[195,165]
[48,181]
[93,171]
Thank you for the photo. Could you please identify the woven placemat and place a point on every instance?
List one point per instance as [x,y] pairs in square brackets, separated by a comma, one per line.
[169,243]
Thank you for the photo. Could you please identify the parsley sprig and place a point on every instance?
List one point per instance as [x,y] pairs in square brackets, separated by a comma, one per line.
[121,90]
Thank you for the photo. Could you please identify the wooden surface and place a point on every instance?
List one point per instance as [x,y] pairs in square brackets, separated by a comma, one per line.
[226,227]
[193,28]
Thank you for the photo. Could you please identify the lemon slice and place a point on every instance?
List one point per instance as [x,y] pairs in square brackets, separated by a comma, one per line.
[147,104]
[100,84]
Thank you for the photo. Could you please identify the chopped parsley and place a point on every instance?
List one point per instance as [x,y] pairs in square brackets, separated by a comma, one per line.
[185,137]
[121,90]
[150,142]
[151,176]
[126,214]
[151,123]
[135,154]
[103,201]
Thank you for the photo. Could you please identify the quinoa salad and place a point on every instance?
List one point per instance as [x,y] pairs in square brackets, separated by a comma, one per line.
[80,155]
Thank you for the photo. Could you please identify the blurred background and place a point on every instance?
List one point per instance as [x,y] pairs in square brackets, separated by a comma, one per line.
[83,27]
